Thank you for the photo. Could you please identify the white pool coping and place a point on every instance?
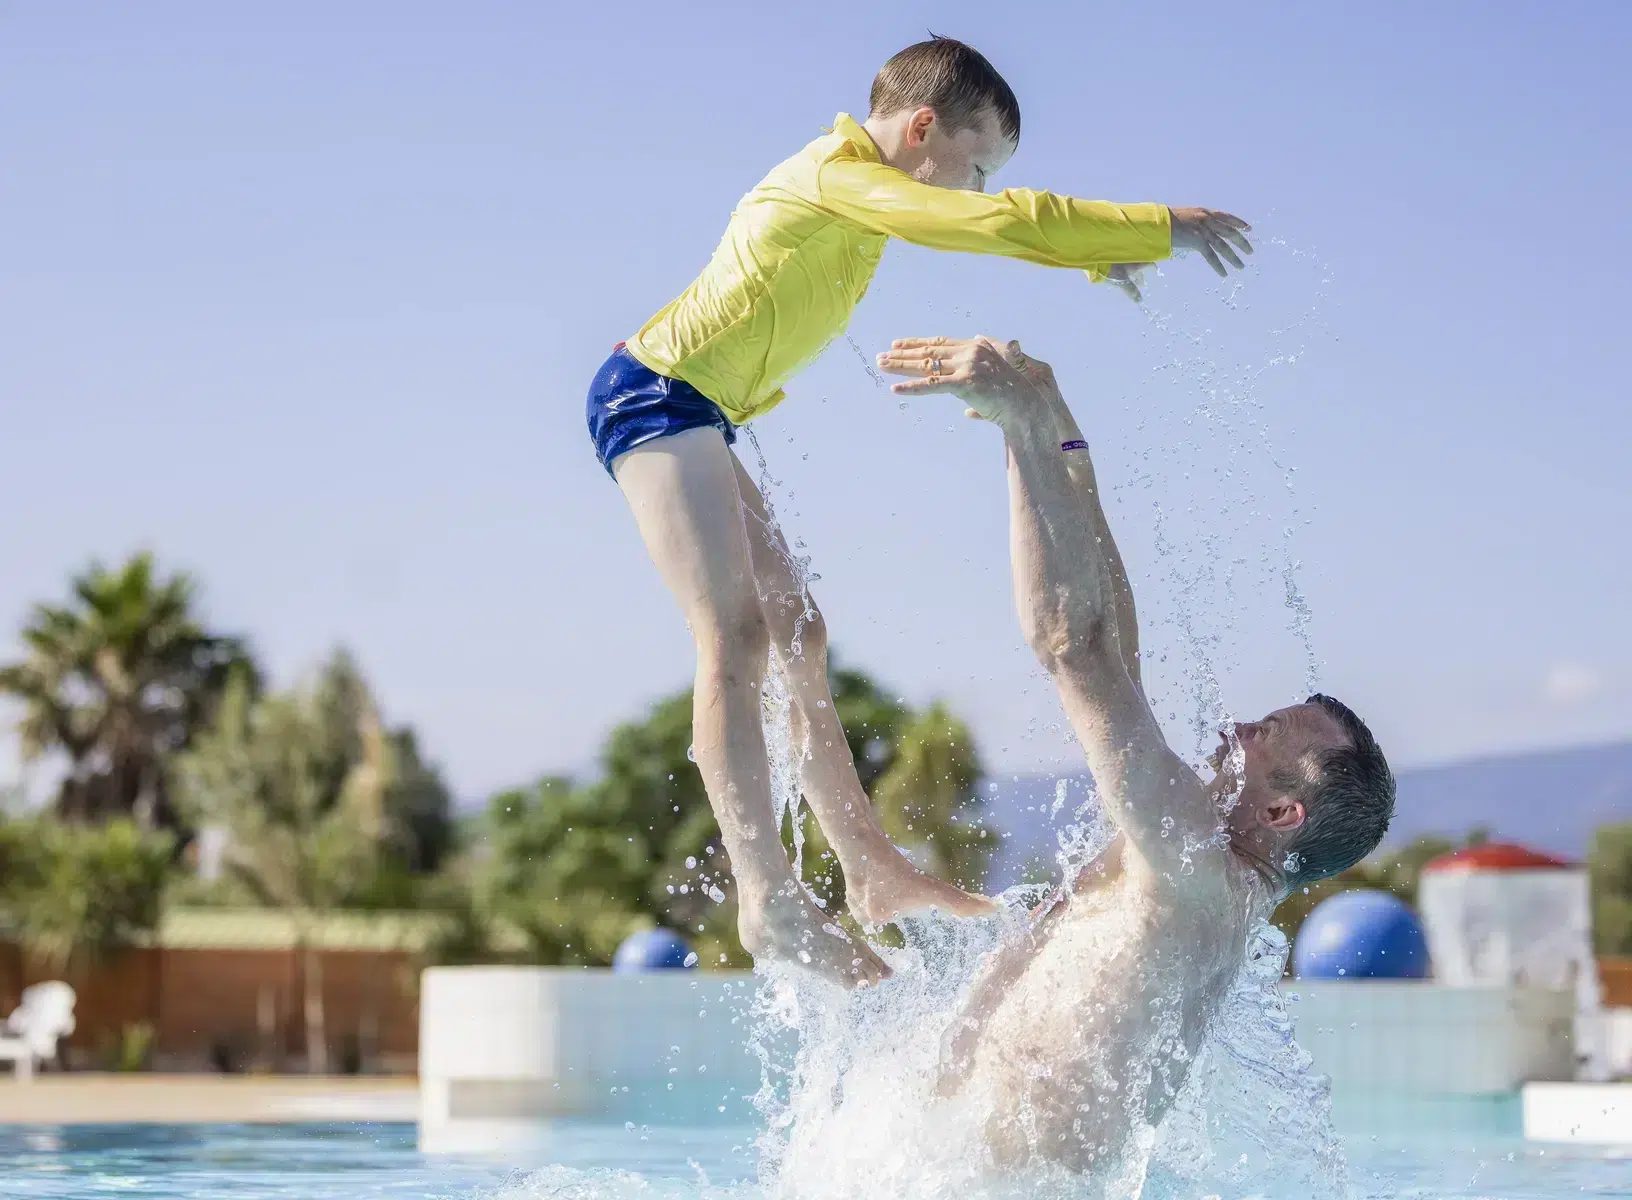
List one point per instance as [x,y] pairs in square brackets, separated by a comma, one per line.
[1596,1114]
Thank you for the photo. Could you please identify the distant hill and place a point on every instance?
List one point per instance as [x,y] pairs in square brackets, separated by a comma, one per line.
[1550,800]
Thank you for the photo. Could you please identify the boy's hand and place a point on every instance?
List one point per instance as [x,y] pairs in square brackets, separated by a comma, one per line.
[1212,233]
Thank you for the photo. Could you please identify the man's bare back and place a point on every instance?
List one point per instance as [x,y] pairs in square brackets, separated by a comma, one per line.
[1080,1034]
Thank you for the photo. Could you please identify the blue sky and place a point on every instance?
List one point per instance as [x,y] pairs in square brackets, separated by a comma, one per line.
[306,298]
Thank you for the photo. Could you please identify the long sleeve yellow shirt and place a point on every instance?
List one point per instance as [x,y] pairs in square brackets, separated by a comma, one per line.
[802,247]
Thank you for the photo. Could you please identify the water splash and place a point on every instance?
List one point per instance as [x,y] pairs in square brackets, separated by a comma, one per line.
[852,1107]
[1199,467]
[1253,1119]
[850,1096]
[787,734]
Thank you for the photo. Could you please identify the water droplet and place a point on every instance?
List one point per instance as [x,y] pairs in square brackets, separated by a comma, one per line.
[691,753]
[691,862]
[691,959]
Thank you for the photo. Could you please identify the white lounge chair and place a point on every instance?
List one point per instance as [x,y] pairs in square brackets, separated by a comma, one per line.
[31,1033]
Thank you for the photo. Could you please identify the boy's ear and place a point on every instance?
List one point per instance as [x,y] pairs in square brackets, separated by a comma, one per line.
[919,124]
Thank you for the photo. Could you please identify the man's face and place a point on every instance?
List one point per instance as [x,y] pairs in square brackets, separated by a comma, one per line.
[964,160]
[1284,741]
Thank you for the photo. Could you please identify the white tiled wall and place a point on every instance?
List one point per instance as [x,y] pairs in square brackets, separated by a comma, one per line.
[531,1043]
[1417,1037]
[523,1045]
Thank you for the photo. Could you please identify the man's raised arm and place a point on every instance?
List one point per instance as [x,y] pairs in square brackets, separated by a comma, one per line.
[1065,589]
[1085,485]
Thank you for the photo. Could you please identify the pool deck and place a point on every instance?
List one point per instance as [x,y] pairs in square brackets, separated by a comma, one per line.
[86,1098]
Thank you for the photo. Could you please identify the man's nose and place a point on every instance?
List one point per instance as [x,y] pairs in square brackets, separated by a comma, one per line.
[1245,731]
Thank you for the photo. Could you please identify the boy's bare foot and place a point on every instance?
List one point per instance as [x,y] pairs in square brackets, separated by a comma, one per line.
[789,927]
[892,887]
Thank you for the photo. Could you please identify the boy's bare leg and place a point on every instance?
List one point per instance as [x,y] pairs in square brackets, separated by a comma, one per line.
[683,492]
[879,881]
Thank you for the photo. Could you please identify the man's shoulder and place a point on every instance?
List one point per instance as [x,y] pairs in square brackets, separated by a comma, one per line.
[1193,878]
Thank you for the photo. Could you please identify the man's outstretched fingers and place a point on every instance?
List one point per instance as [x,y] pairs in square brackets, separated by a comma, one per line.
[928,385]
[910,362]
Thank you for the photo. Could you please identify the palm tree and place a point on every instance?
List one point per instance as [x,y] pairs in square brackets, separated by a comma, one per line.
[300,782]
[118,680]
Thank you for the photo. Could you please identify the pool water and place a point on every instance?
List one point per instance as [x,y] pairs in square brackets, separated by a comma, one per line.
[583,1161]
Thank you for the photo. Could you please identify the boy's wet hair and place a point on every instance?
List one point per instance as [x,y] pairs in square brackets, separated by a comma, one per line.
[1348,800]
[950,77]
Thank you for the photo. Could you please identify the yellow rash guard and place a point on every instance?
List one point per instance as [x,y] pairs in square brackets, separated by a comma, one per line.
[802,247]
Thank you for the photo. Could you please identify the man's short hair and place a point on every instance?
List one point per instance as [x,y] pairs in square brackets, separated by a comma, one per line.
[950,77]
[1347,794]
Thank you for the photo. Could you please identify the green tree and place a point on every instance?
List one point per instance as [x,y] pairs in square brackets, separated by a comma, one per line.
[1609,875]
[418,807]
[118,680]
[76,894]
[929,794]
[300,780]
[922,771]
[578,867]
[570,880]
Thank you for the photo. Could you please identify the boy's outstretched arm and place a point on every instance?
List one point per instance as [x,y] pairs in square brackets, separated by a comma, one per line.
[1038,227]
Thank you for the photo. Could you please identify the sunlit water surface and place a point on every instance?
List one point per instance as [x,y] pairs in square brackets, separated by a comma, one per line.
[361,1162]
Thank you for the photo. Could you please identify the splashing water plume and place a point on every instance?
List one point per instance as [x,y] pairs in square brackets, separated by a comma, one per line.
[854,1109]
[852,1100]
[1197,463]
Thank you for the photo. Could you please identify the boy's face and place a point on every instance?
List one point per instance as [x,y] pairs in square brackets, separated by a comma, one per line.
[964,160]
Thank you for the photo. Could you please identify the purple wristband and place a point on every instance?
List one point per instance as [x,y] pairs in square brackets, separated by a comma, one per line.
[1074,445]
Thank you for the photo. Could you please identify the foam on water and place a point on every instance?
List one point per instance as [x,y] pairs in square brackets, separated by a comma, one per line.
[851,1108]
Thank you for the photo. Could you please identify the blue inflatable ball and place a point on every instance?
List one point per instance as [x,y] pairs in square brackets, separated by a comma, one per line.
[1361,935]
[653,950]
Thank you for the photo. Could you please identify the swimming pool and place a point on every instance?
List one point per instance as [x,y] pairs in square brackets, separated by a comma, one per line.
[581,1161]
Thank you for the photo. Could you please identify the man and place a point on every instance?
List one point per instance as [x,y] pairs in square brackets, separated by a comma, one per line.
[1081,1033]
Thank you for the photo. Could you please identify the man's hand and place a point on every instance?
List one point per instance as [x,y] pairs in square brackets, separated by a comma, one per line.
[977,370]
[1216,234]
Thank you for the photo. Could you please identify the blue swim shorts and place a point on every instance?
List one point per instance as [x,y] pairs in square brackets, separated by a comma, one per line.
[630,404]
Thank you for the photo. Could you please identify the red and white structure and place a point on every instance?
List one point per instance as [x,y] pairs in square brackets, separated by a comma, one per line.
[1500,915]
[1505,915]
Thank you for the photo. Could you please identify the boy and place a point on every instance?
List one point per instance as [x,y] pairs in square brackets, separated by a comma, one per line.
[796,258]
